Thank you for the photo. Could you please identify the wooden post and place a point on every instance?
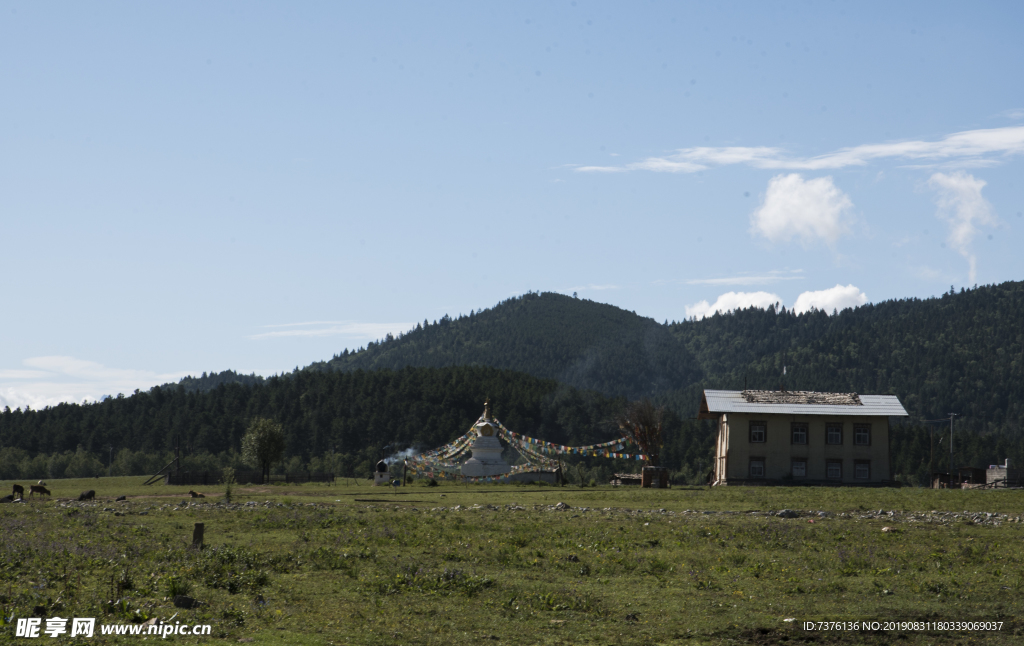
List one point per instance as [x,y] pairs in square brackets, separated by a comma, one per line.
[197,536]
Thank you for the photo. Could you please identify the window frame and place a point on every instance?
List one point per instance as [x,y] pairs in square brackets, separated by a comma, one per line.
[861,463]
[828,465]
[861,427]
[829,427]
[805,427]
[764,432]
[750,467]
[793,463]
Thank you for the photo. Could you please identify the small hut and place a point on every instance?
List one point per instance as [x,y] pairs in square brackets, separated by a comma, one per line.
[1002,475]
[970,477]
[381,474]
[626,479]
[654,478]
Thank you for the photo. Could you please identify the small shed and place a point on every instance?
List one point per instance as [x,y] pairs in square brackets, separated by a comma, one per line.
[971,476]
[626,479]
[654,478]
[940,480]
[1002,475]
[381,474]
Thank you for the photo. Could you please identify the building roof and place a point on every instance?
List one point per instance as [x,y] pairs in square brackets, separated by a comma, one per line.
[800,402]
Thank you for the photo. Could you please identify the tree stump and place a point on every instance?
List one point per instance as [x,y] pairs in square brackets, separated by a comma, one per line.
[197,536]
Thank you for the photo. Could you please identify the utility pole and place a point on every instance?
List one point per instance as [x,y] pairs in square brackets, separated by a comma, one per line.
[110,461]
[951,416]
[932,442]
[931,455]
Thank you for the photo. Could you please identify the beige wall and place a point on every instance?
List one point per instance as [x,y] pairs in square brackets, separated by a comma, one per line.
[734,449]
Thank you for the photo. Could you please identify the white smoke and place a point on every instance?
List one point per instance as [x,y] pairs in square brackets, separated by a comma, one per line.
[402,455]
[962,206]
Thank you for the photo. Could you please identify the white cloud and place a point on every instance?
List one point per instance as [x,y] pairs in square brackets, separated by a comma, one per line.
[809,210]
[732,301]
[666,166]
[834,298]
[334,328]
[55,379]
[81,369]
[962,206]
[965,147]
[22,374]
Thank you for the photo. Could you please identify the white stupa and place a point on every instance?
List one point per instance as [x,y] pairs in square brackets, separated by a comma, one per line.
[486,460]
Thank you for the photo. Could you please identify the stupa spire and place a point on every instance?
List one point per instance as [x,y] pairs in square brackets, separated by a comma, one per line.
[486,459]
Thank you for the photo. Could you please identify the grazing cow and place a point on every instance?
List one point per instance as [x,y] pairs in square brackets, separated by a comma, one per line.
[195,494]
[19,490]
[38,489]
[41,483]
[87,495]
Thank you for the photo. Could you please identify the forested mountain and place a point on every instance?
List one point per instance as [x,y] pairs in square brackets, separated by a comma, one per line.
[349,417]
[577,342]
[962,352]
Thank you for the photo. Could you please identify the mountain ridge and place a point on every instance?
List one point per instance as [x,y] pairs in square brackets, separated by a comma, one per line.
[578,342]
[961,352]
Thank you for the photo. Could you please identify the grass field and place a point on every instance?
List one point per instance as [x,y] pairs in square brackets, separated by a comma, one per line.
[505,564]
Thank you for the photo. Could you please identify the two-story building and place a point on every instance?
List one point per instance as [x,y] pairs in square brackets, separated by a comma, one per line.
[800,437]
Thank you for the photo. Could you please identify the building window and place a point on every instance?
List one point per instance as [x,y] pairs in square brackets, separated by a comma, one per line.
[834,469]
[834,434]
[862,434]
[758,431]
[756,467]
[799,433]
[799,468]
[862,469]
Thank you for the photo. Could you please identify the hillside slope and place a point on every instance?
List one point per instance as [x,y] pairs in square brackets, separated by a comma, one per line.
[349,416]
[578,342]
[961,353]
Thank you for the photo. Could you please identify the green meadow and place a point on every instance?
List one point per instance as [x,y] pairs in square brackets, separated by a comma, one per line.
[504,564]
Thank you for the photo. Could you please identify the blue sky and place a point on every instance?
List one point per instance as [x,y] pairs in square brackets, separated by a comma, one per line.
[195,187]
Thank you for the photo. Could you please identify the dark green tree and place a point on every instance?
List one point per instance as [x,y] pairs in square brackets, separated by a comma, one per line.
[263,444]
